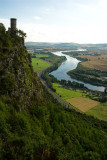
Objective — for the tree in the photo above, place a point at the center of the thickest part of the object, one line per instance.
(21, 33)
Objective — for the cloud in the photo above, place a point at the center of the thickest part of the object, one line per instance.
(103, 3)
(85, 7)
(54, 33)
(47, 10)
(58, 33)
(5, 21)
(37, 18)
(80, 20)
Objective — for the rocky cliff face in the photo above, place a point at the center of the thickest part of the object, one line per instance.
(16, 74)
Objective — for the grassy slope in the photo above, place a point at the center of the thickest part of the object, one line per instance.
(99, 111)
(39, 64)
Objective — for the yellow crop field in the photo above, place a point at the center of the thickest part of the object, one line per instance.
(95, 62)
(83, 104)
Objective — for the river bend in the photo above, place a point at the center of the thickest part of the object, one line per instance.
(70, 64)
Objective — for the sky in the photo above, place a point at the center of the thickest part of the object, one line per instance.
(78, 21)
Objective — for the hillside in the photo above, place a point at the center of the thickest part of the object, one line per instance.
(33, 125)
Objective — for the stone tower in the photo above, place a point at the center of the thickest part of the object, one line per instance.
(12, 25)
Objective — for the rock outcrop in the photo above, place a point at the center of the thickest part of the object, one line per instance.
(16, 74)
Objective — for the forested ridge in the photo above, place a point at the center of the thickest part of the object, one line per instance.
(33, 125)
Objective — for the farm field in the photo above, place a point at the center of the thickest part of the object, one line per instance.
(95, 62)
(83, 104)
(100, 111)
(65, 93)
(39, 64)
(42, 55)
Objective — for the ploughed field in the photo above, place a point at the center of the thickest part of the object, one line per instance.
(95, 62)
(83, 104)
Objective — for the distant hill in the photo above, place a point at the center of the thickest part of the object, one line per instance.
(52, 45)
(95, 45)
(64, 45)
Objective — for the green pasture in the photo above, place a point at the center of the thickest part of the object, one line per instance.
(30, 51)
(99, 111)
(39, 64)
(105, 63)
(42, 55)
(66, 93)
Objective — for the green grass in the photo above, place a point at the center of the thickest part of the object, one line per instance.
(105, 63)
(42, 55)
(39, 64)
(66, 93)
(30, 51)
(99, 111)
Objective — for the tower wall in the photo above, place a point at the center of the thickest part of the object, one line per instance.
(13, 24)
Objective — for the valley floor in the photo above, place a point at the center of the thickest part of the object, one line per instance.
(69, 98)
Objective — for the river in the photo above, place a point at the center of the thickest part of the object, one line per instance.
(70, 64)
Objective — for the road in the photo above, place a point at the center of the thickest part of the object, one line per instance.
(65, 104)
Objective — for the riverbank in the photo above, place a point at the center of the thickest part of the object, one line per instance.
(62, 102)
(71, 64)
(42, 73)
(88, 75)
